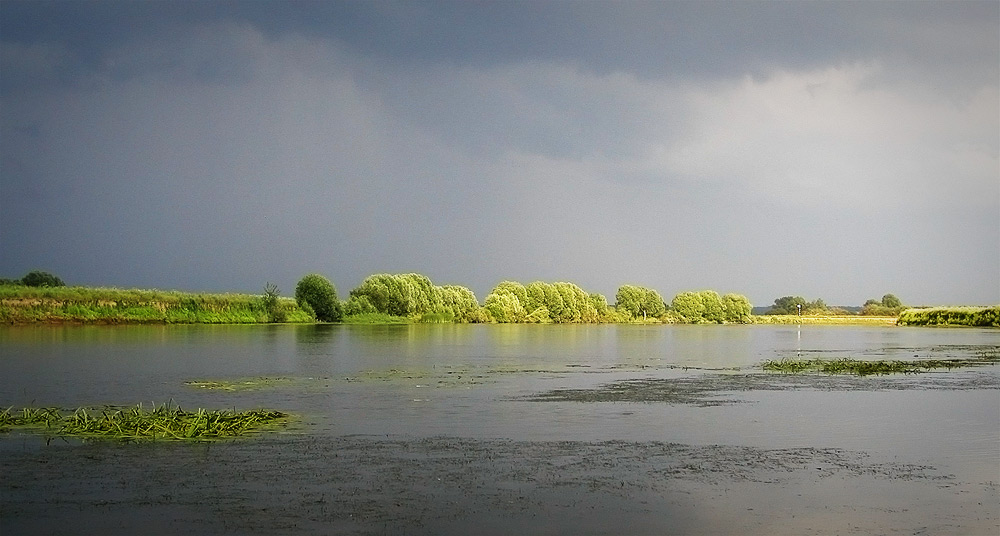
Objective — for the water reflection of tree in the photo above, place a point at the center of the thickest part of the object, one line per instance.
(702, 346)
(315, 334)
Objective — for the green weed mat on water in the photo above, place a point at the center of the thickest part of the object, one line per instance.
(882, 366)
(136, 423)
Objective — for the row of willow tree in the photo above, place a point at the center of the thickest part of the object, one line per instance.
(415, 297)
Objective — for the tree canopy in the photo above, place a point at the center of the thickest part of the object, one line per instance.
(316, 293)
(415, 296)
(708, 306)
(788, 305)
(890, 305)
(639, 302)
(460, 302)
(736, 308)
(890, 300)
(37, 278)
(541, 302)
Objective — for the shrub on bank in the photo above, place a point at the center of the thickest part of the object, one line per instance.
(320, 295)
(34, 278)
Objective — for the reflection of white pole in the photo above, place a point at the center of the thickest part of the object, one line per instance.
(799, 336)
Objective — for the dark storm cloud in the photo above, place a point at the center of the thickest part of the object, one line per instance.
(840, 150)
(650, 39)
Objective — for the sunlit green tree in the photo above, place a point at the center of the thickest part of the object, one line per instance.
(515, 288)
(358, 305)
(787, 305)
(889, 306)
(736, 308)
(639, 302)
(535, 295)
(689, 306)
(379, 290)
(460, 301)
(424, 296)
(712, 306)
(542, 302)
(628, 300)
(539, 316)
(600, 305)
(652, 303)
(504, 306)
(553, 301)
(570, 295)
(816, 307)
(891, 301)
(401, 294)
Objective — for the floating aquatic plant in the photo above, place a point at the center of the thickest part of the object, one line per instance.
(29, 417)
(248, 384)
(866, 368)
(137, 423)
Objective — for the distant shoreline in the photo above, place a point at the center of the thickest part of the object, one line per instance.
(20, 305)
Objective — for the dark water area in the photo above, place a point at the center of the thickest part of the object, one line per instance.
(493, 429)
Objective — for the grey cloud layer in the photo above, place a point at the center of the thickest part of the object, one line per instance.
(229, 153)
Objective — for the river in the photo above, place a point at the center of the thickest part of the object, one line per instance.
(495, 429)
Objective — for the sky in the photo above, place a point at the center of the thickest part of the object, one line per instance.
(833, 150)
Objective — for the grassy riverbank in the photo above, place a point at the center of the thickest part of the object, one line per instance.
(53, 305)
(951, 316)
(376, 318)
(21, 304)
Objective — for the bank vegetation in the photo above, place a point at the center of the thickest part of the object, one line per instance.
(40, 297)
(20, 304)
(952, 316)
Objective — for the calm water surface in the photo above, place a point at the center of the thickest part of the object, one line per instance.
(401, 385)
